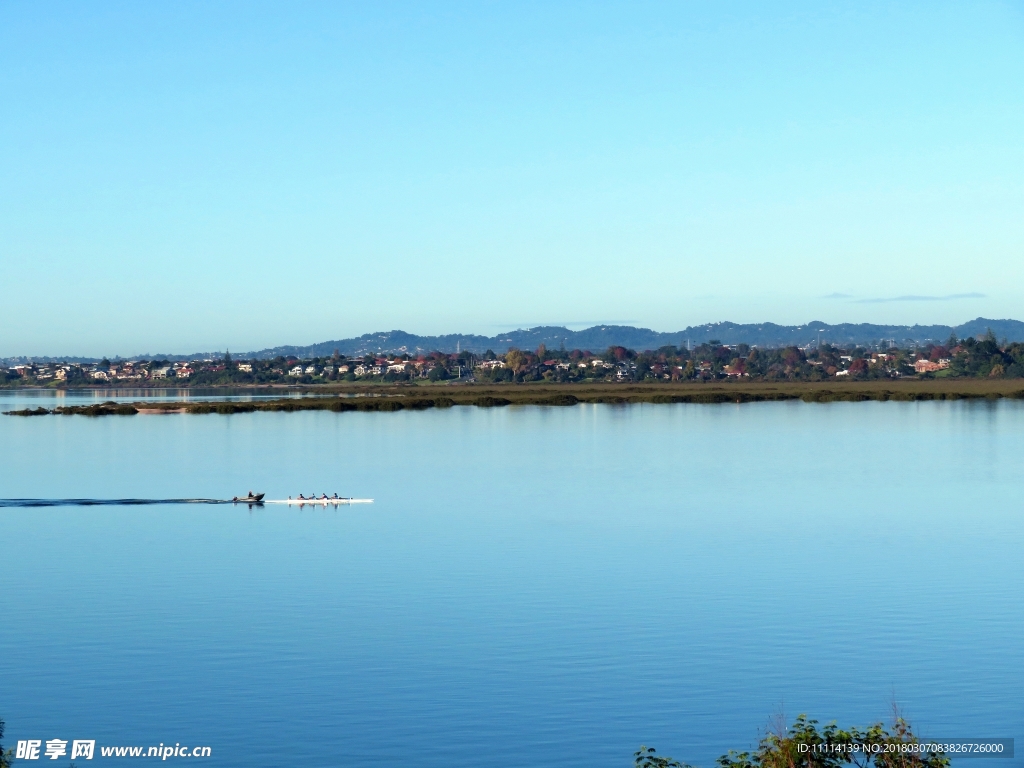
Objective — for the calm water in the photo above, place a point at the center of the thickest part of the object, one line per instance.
(31, 398)
(532, 587)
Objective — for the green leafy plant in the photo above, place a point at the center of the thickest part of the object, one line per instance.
(6, 758)
(645, 757)
(805, 745)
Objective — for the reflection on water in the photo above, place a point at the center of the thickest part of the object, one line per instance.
(16, 397)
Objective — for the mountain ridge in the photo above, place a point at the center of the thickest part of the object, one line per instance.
(599, 337)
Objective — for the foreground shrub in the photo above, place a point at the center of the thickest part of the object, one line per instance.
(805, 745)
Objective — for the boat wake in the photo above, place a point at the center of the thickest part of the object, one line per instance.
(103, 502)
(145, 502)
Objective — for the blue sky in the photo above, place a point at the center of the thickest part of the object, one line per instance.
(190, 176)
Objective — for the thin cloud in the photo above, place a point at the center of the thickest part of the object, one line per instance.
(948, 297)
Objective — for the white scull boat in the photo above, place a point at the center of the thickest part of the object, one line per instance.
(320, 502)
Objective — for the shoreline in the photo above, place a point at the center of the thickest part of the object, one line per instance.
(397, 398)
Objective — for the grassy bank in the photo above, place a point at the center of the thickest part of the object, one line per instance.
(418, 398)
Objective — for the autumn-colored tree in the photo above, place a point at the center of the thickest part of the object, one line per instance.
(792, 357)
(515, 360)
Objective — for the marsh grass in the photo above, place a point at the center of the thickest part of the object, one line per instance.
(387, 399)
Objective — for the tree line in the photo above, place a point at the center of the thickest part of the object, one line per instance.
(971, 357)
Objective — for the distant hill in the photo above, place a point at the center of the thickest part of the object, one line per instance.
(600, 337)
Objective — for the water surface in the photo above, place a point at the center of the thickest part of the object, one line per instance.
(532, 586)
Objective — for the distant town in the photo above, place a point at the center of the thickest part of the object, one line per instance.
(711, 361)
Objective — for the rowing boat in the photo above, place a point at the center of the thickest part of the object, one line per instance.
(321, 502)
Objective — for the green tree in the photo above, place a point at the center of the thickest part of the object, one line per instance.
(6, 758)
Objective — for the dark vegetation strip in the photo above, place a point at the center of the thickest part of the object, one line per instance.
(394, 402)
